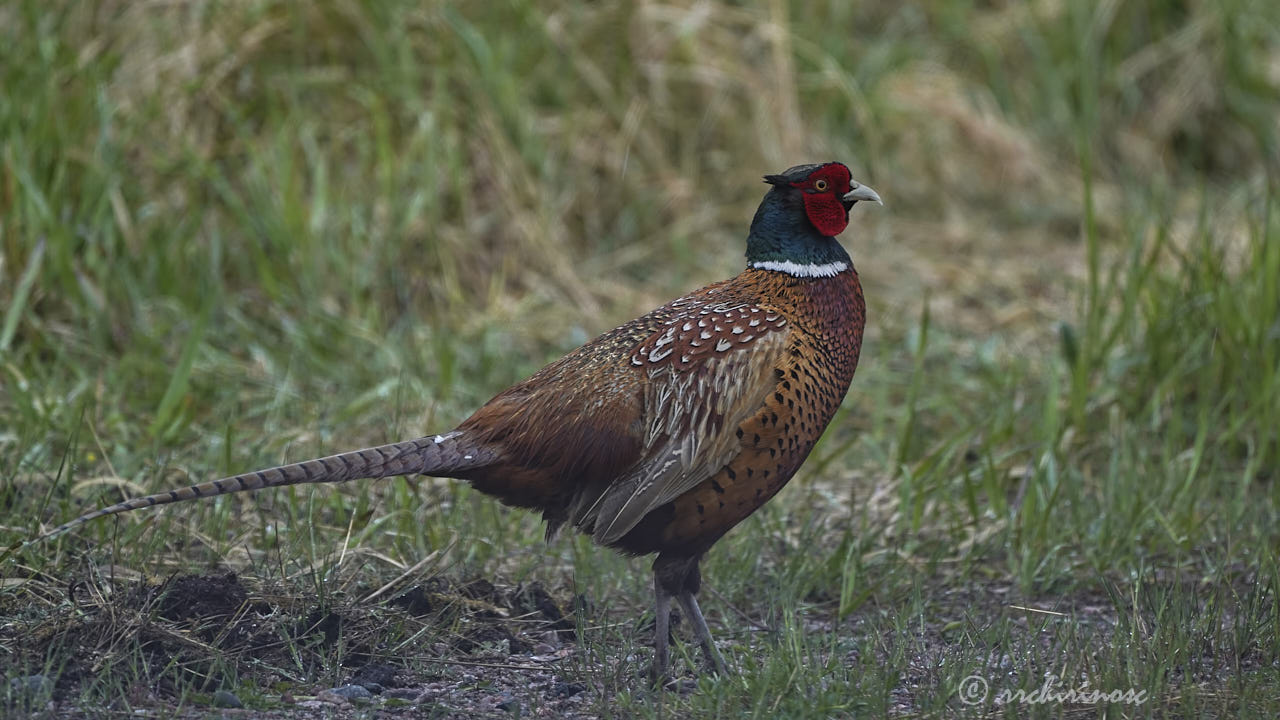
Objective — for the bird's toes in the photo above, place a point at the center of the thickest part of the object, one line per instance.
(681, 685)
(657, 675)
(662, 679)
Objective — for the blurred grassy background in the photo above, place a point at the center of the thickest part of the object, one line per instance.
(233, 234)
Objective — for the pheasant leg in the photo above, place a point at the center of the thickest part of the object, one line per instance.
(689, 604)
(661, 633)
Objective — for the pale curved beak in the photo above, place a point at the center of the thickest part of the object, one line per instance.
(862, 192)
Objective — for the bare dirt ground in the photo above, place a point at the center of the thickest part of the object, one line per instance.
(445, 649)
(495, 649)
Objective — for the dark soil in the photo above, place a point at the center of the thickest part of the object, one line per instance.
(448, 649)
(439, 649)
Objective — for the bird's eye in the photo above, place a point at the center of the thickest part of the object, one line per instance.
(820, 185)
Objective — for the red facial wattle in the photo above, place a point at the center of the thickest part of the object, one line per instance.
(824, 189)
(826, 212)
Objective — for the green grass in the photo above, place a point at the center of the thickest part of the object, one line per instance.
(238, 234)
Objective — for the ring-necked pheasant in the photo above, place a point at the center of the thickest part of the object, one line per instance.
(661, 434)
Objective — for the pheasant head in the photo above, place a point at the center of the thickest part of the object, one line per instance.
(794, 230)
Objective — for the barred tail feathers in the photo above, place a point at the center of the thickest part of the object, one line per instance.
(431, 455)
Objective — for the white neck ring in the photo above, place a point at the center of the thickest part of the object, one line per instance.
(804, 270)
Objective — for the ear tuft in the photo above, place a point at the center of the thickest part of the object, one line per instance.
(777, 179)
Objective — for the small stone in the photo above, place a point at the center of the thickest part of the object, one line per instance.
(372, 687)
(28, 682)
(31, 685)
(567, 689)
(351, 692)
(509, 704)
(226, 699)
(409, 694)
(375, 673)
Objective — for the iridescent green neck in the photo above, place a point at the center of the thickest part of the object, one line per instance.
(783, 239)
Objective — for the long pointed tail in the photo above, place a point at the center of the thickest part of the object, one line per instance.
(432, 455)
